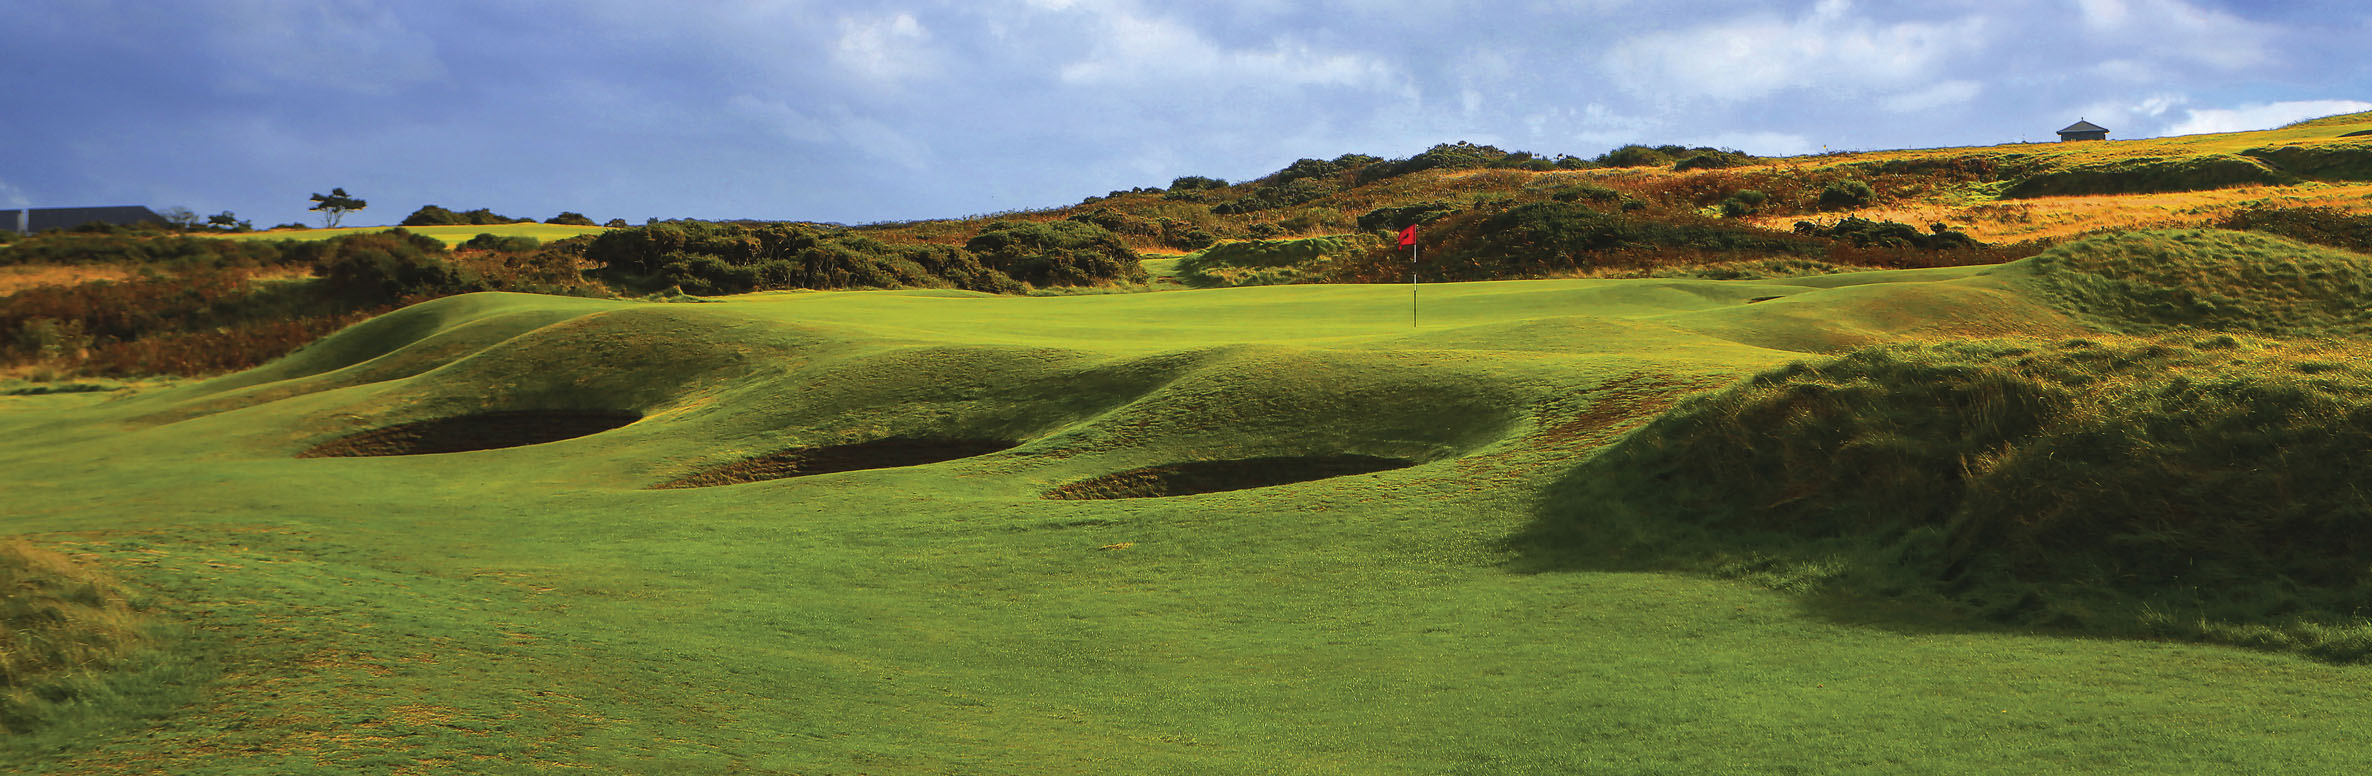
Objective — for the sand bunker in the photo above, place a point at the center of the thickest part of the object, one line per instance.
(804, 461)
(487, 431)
(1191, 477)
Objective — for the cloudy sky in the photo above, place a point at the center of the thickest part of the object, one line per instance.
(898, 109)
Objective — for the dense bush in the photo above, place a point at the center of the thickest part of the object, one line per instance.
(1636, 156)
(723, 258)
(1403, 216)
(1846, 194)
(616, 223)
(1712, 160)
(134, 249)
(1744, 203)
(1461, 155)
(1196, 182)
(432, 215)
(486, 241)
(1319, 168)
(391, 266)
(1056, 253)
(1270, 197)
(1864, 233)
(570, 218)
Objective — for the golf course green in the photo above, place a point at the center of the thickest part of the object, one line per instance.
(1546, 526)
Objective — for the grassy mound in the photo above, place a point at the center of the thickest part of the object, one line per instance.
(62, 626)
(486, 431)
(1263, 262)
(2327, 161)
(1192, 477)
(2139, 282)
(2193, 486)
(2146, 175)
(806, 461)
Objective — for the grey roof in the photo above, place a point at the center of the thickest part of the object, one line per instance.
(2083, 126)
(69, 217)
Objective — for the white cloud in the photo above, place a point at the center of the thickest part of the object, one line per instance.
(2261, 116)
(1934, 96)
(2124, 118)
(1134, 50)
(2176, 30)
(1831, 47)
(11, 196)
(886, 49)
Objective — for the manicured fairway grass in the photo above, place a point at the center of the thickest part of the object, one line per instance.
(533, 609)
(452, 235)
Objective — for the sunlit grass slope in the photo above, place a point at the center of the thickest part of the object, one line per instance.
(452, 235)
(1427, 578)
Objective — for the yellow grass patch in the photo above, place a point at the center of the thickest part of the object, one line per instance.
(23, 276)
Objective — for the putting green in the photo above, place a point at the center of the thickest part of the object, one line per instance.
(535, 607)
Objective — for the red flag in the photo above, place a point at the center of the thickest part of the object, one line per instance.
(1408, 236)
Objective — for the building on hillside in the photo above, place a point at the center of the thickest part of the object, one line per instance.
(30, 220)
(2083, 130)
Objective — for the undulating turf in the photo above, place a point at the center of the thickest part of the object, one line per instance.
(1522, 597)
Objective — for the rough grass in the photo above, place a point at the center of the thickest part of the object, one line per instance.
(2162, 280)
(2202, 486)
(63, 627)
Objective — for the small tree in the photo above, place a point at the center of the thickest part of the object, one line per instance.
(228, 222)
(181, 218)
(335, 206)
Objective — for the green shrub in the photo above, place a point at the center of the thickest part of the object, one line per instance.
(391, 266)
(1634, 156)
(499, 243)
(1864, 233)
(1400, 217)
(1712, 160)
(1744, 203)
(432, 215)
(1056, 253)
(570, 218)
(1196, 182)
(1269, 197)
(723, 258)
(1846, 194)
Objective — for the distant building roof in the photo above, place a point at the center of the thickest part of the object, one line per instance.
(39, 218)
(2083, 126)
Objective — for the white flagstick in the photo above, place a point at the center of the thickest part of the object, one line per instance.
(1412, 284)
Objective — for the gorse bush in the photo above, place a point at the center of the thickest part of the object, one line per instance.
(1744, 203)
(570, 218)
(387, 267)
(719, 258)
(1864, 233)
(499, 243)
(1846, 194)
(169, 253)
(432, 215)
(1056, 253)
